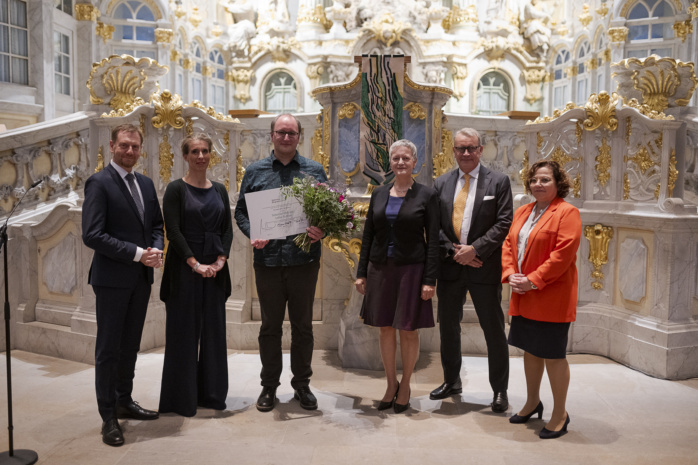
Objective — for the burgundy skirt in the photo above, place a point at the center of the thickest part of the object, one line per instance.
(393, 297)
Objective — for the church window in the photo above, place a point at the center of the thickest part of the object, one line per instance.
(650, 29)
(281, 93)
(493, 94)
(14, 42)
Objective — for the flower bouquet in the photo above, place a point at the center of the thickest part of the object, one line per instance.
(326, 207)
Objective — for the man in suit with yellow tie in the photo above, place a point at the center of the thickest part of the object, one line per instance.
(476, 213)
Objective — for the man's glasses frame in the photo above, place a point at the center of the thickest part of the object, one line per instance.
(468, 148)
(284, 134)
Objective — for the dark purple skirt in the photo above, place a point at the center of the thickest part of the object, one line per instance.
(393, 297)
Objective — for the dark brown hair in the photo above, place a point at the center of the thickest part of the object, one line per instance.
(562, 181)
(125, 128)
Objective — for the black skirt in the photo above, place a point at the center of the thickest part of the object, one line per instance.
(540, 338)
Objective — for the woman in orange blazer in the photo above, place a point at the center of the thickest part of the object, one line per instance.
(538, 262)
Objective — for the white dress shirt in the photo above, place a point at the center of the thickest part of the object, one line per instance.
(468, 213)
(122, 172)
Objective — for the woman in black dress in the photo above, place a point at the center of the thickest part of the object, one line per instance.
(397, 268)
(195, 286)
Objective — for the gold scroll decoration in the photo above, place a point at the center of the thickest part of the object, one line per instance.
(239, 169)
(603, 163)
(673, 174)
(599, 237)
(601, 111)
(348, 110)
(168, 110)
(443, 161)
(417, 111)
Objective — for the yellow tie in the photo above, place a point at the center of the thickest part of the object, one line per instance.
(459, 205)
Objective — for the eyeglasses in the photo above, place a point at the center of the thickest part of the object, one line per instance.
(469, 148)
(284, 134)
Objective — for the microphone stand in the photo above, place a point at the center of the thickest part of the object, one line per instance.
(21, 456)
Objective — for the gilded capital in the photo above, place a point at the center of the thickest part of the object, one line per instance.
(534, 79)
(618, 34)
(585, 18)
(164, 36)
(417, 111)
(693, 10)
(683, 29)
(86, 12)
(105, 31)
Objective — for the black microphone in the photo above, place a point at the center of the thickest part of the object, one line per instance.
(36, 183)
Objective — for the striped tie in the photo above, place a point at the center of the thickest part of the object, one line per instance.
(459, 205)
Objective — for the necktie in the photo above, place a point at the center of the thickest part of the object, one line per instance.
(459, 205)
(130, 178)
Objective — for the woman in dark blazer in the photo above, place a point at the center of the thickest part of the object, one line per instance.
(398, 267)
(195, 286)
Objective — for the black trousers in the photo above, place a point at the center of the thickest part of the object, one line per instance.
(120, 318)
(487, 299)
(276, 287)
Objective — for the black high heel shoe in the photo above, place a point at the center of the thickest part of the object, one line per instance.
(386, 405)
(399, 408)
(545, 433)
(516, 418)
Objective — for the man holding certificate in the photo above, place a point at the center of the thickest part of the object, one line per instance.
(285, 274)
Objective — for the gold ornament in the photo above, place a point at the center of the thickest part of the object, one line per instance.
(100, 160)
(346, 248)
(443, 161)
(105, 31)
(618, 34)
(417, 111)
(86, 12)
(601, 110)
(168, 110)
(241, 78)
(164, 36)
(683, 29)
(603, 163)
(166, 158)
(239, 169)
(386, 29)
(626, 187)
(599, 237)
(316, 16)
(348, 110)
(673, 174)
(585, 18)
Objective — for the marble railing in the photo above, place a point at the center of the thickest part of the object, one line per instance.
(638, 297)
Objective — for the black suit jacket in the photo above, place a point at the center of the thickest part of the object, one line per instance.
(416, 231)
(492, 215)
(111, 226)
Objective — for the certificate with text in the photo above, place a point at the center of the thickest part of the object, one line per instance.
(272, 217)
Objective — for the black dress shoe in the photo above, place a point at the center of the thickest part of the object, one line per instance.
(516, 418)
(399, 408)
(500, 402)
(545, 433)
(386, 405)
(446, 390)
(135, 411)
(306, 398)
(111, 433)
(266, 399)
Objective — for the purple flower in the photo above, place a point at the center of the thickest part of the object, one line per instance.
(341, 197)
(350, 225)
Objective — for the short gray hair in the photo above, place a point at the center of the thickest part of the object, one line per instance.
(470, 132)
(403, 143)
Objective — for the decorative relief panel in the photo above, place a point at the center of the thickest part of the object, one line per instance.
(632, 267)
(57, 264)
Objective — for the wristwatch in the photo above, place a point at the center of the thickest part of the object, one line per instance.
(533, 286)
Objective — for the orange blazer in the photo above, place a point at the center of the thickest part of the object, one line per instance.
(549, 263)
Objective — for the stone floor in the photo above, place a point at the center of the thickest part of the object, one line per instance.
(619, 416)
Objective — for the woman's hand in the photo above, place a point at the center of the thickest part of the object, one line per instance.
(219, 264)
(519, 283)
(428, 292)
(360, 284)
(207, 271)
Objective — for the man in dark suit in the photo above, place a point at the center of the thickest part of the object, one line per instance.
(476, 212)
(122, 222)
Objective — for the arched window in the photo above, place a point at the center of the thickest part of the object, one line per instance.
(281, 93)
(650, 29)
(179, 72)
(493, 94)
(217, 81)
(196, 56)
(583, 74)
(600, 69)
(561, 85)
(134, 30)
